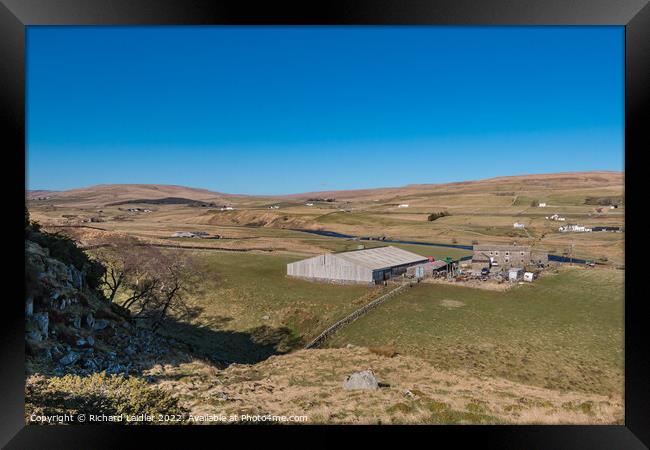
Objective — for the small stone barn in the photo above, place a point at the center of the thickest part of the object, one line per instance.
(372, 265)
(506, 256)
(427, 268)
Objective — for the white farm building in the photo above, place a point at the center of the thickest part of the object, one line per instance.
(372, 265)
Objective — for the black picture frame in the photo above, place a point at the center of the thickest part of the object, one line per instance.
(15, 15)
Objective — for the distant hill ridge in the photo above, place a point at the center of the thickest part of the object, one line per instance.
(114, 194)
(164, 201)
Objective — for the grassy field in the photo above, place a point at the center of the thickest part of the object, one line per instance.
(247, 309)
(563, 332)
(337, 245)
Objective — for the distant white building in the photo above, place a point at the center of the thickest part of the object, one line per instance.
(573, 228)
(274, 207)
(519, 225)
(184, 234)
(226, 208)
(190, 234)
(515, 274)
(556, 217)
(309, 204)
(403, 205)
(542, 205)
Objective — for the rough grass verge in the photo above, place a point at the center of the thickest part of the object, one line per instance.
(97, 394)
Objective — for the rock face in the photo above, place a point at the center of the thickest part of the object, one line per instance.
(100, 324)
(34, 335)
(89, 321)
(42, 322)
(361, 381)
(29, 307)
(71, 329)
(68, 359)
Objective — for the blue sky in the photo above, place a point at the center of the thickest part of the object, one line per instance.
(275, 110)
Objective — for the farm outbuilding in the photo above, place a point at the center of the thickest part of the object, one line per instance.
(426, 269)
(371, 265)
(515, 274)
(506, 256)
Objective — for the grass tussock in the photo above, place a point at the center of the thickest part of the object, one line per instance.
(388, 351)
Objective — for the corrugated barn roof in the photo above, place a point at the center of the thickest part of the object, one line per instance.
(438, 264)
(381, 257)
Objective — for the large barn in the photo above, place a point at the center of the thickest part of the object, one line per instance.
(372, 265)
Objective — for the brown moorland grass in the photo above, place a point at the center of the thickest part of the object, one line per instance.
(309, 382)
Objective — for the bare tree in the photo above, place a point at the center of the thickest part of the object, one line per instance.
(164, 292)
(122, 259)
(150, 283)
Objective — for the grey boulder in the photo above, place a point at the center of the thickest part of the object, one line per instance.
(42, 322)
(68, 359)
(100, 324)
(361, 380)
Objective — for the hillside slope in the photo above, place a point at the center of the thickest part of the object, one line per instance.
(310, 383)
(554, 181)
(70, 327)
(107, 193)
(103, 194)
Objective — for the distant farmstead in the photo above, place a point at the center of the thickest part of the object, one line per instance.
(373, 265)
(506, 256)
(190, 234)
(574, 228)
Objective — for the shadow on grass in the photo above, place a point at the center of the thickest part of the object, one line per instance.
(224, 347)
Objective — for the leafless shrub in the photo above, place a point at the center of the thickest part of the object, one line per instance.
(152, 284)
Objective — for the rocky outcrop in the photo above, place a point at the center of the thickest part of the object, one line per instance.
(71, 329)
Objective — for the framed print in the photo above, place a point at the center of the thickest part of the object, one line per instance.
(356, 216)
